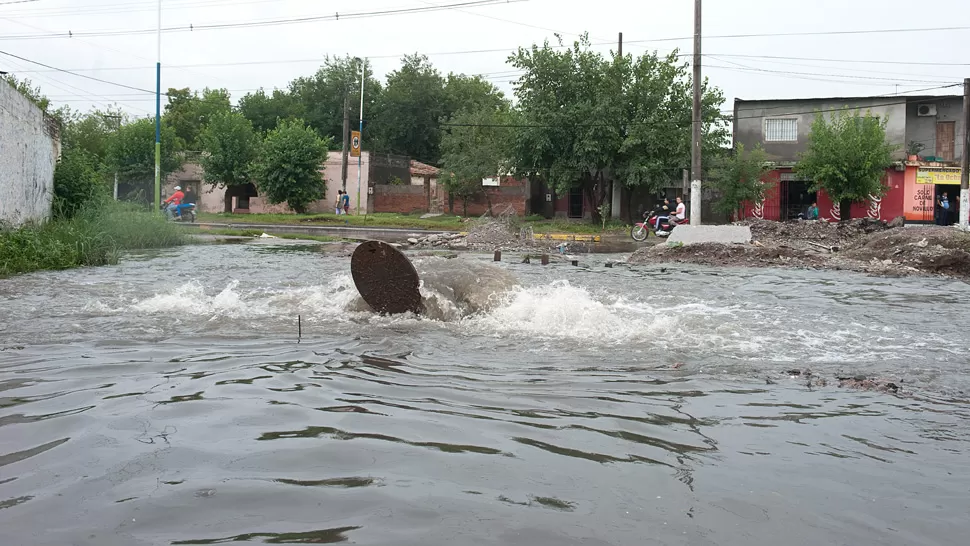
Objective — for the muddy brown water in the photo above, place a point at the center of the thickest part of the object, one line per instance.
(167, 400)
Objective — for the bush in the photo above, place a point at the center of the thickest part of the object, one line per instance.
(288, 166)
(94, 235)
(77, 183)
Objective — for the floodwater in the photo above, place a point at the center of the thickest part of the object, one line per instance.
(171, 400)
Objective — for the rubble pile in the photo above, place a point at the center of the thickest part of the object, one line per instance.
(864, 245)
(486, 234)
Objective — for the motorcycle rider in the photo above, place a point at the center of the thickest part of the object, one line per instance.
(174, 201)
(663, 214)
(680, 214)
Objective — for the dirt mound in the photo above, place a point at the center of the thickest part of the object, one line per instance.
(864, 245)
(933, 250)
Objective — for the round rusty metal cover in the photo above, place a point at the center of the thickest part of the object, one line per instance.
(385, 278)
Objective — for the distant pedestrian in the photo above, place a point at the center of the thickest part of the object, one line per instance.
(336, 205)
(943, 208)
(346, 203)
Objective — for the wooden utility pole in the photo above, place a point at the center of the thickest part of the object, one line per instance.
(346, 139)
(965, 163)
(617, 192)
(695, 163)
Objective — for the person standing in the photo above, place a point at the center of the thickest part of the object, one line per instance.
(345, 202)
(336, 204)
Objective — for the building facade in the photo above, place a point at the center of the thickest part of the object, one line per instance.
(924, 129)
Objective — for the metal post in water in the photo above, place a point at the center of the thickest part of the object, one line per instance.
(545, 259)
(299, 328)
(498, 256)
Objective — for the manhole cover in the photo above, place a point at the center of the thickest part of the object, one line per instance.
(385, 278)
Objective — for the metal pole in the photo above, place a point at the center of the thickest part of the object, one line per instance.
(616, 201)
(346, 139)
(965, 163)
(360, 127)
(695, 185)
(158, 116)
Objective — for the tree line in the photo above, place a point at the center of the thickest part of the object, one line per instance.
(578, 119)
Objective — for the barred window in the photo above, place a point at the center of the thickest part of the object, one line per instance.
(781, 130)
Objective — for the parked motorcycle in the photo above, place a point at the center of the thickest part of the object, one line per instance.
(641, 230)
(183, 213)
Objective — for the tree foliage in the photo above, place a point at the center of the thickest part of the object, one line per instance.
(266, 110)
(78, 182)
(321, 97)
(847, 157)
(589, 120)
(229, 147)
(740, 178)
(288, 166)
(408, 119)
(92, 131)
(131, 153)
(476, 144)
(188, 113)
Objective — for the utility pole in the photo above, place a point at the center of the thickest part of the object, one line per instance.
(158, 116)
(965, 164)
(346, 139)
(360, 127)
(695, 185)
(617, 193)
(685, 187)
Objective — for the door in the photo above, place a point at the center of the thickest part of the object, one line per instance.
(945, 139)
(575, 203)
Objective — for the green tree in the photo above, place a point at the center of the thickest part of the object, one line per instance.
(131, 153)
(847, 157)
(288, 166)
(188, 113)
(476, 144)
(265, 110)
(470, 93)
(412, 105)
(740, 178)
(321, 96)
(92, 131)
(78, 182)
(588, 120)
(229, 147)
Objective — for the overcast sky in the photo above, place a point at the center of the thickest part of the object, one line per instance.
(276, 54)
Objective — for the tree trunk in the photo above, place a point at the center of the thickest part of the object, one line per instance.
(845, 210)
(488, 201)
(227, 203)
(464, 206)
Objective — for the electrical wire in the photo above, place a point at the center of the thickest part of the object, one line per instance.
(262, 23)
(76, 74)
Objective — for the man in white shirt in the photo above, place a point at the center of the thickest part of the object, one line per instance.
(680, 214)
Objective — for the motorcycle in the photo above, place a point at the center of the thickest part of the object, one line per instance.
(183, 213)
(641, 230)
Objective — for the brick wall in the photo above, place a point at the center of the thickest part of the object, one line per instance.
(501, 198)
(403, 199)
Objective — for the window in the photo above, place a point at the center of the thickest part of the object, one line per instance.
(781, 130)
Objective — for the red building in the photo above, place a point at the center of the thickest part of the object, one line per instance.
(923, 129)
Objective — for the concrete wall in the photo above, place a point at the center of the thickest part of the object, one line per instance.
(29, 149)
(923, 128)
(750, 115)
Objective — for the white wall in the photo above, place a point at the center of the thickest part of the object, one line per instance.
(28, 154)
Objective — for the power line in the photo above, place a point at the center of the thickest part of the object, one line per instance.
(17, 2)
(265, 22)
(78, 75)
(854, 61)
(849, 76)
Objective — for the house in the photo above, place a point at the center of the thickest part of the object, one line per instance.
(931, 123)
(388, 183)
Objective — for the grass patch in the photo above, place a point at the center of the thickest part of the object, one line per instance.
(391, 220)
(96, 235)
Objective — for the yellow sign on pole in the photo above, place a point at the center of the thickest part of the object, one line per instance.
(355, 143)
(938, 176)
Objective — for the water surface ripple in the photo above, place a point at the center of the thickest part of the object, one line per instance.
(168, 401)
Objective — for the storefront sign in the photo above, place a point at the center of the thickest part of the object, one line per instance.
(938, 176)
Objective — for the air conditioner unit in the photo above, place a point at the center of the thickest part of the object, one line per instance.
(924, 110)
